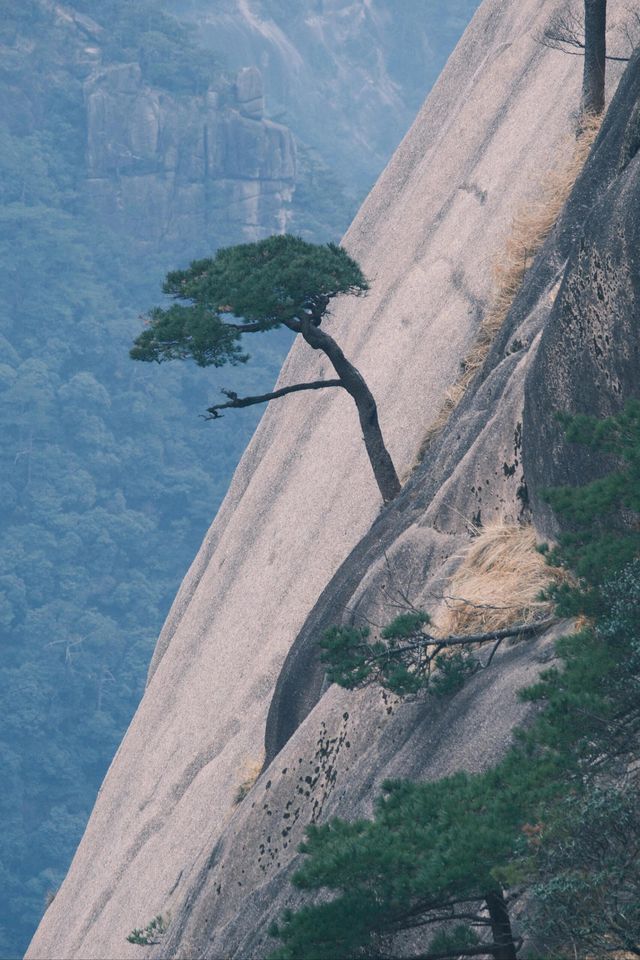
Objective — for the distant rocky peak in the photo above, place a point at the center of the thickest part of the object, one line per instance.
(249, 91)
(191, 171)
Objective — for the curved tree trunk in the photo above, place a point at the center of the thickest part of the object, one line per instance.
(595, 53)
(355, 384)
(504, 947)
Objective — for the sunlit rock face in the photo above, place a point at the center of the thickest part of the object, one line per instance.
(208, 169)
(300, 541)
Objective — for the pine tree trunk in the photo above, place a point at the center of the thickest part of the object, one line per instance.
(500, 927)
(595, 52)
(355, 384)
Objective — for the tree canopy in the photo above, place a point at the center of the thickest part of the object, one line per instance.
(280, 281)
(275, 281)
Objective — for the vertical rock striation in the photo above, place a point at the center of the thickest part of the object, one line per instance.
(196, 170)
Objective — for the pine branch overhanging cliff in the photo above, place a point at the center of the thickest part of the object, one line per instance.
(280, 281)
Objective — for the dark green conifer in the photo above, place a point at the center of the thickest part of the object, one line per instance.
(557, 818)
(280, 281)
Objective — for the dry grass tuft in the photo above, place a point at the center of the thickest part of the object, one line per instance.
(530, 228)
(498, 583)
(251, 773)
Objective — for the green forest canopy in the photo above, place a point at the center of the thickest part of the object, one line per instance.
(108, 479)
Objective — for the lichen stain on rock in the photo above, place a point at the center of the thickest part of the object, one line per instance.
(313, 783)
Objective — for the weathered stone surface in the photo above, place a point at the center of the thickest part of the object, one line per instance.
(558, 371)
(250, 92)
(577, 352)
(589, 356)
(335, 765)
(196, 170)
(165, 836)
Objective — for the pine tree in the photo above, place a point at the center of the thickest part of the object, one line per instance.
(556, 818)
(280, 281)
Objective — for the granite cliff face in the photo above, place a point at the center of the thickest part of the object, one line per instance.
(203, 170)
(178, 167)
(300, 541)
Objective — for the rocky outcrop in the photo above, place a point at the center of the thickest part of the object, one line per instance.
(588, 360)
(569, 349)
(349, 75)
(186, 170)
(301, 528)
(176, 172)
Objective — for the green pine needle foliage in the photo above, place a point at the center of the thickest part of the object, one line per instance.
(404, 659)
(600, 830)
(152, 933)
(601, 528)
(556, 818)
(264, 283)
(355, 660)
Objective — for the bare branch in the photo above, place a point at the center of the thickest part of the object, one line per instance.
(493, 653)
(520, 630)
(565, 29)
(565, 32)
(257, 327)
(236, 402)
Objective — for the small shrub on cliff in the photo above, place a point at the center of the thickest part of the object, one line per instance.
(252, 771)
(152, 933)
(406, 658)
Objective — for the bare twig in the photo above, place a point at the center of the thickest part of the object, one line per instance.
(236, 402)
(565, 32)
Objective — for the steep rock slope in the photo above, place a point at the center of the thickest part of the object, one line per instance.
(570, 342)
(164, 834)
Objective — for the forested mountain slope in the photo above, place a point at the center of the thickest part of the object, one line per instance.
(165, 836)
(108, 479)
(126, 148)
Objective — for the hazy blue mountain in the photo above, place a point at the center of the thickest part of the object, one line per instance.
(128, 147)
(347, 76)
(108, 478)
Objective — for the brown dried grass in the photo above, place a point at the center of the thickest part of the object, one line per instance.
(530, 228)
(498, 583)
